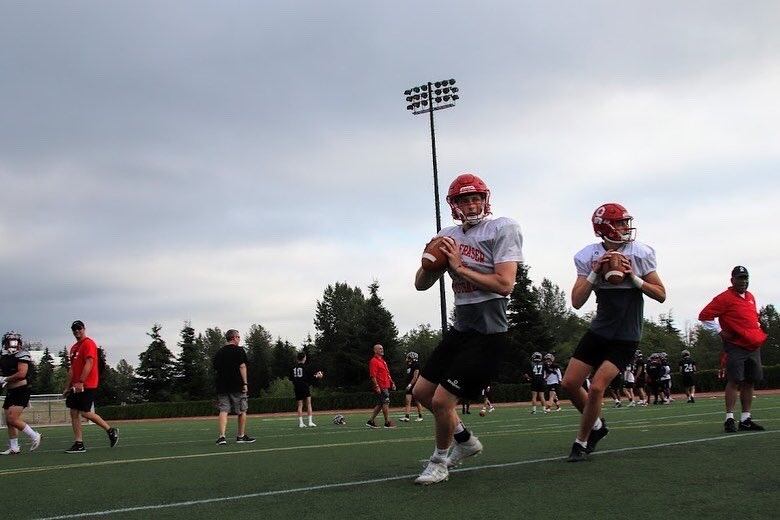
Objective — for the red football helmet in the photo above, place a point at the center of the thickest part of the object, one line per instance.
(605, 220)
(466, 184)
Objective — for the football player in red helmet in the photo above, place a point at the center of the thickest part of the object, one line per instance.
(614, 333)
(483, 254)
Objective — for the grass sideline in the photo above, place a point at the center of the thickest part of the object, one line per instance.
(656, 461)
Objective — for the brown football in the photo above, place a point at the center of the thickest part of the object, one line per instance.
(615, 274)
(433, 258)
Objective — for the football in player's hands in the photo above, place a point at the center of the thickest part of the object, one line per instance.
(319, 374)
(615, 268)
(433, 258)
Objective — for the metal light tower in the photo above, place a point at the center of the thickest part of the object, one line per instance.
(425, 99)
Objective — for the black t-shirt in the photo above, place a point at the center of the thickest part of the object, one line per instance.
(301, 376)
(687, 366)
(9, 361)
(226, 363)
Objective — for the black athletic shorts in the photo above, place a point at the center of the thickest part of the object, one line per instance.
(81, 401)
(302, 391)
(538, 385)
(593, 350)
(617, 383)
(687, 380)
(465, 362)
(17, 397)
(555, 387)
(628, 384)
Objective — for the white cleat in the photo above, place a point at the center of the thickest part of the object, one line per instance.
(10, 451)
(36, 441)
(404, 419)
(435, 471)
(312, 425)
(301, 425)
(418, 419)
(463, 450)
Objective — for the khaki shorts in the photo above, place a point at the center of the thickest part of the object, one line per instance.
(232, 403)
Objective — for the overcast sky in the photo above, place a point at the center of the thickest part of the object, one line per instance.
(223, 162)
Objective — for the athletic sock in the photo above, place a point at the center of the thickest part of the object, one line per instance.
(534, 408)
(461, 433)
(406, 415)
(745, 416)
(598, 424)
(13, 443)
(729, 415)
(440, 455)
(29, 431)
(584, 444)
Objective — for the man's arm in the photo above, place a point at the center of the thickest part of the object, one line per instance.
(423, 280)
(242, 371)
(19, 375)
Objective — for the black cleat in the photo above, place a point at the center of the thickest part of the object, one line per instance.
(596, 435)
(371, 424)
(578, 453)
(113, 436)
(78, 447)
(245, 439)
(730, 426)
(221, 441)
(749, 425)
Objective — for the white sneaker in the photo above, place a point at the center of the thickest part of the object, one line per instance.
(435, 471)
(301, 425)
(35, 442)
(10, 451)
(312, 425)
(418, 419)
(404, 419)
(464, 450)
(491, 409)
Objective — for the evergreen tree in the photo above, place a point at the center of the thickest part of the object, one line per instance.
(379, 327)
(156, 369)
(125, 377)
(191, 382)
(62, 372)
(46, 383)
(770, 322)
(258, 345)
(282, 359)
(422, 339)
(527, 331)
(107, 391)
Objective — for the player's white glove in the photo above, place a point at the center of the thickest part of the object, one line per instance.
(408, 387)
(2, 381)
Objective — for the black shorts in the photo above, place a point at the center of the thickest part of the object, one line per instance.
(628, 384)
(383, 397)
(465, 362)
(555, 387)
(302, 391)
(17, 397)
(593, 350)
(81, 401)
(687, 380)
(538, 385)
(617, 383)
(641, 382)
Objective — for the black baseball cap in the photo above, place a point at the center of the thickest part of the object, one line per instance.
(739, 271)
(78, 324)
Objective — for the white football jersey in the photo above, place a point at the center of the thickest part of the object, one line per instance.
(491, 242)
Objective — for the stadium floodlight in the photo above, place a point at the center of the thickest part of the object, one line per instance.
(426, 99)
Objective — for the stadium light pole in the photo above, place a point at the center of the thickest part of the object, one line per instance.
(426, 99)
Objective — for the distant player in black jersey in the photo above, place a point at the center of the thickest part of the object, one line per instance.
(538, 383)
(412, 373)
(688, 370)
(15, 361)
(302, 377)
(655, 370)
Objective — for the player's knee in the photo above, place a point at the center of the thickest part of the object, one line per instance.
(596, 390)
(570, 385)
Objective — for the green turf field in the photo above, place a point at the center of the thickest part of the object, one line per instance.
(657, 461)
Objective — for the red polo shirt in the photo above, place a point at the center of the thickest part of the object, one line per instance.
(377, 368)
(738, 318)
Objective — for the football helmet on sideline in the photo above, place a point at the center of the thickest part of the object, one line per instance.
(340, 420)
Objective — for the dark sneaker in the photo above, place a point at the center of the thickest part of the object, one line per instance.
(371, 424)
(749, 425)
(246, 439)
(389, 424)
(596, 435)
(78, 447)
(578, 453)
(221, 441)
(693, 399)
(730, 426)
(113, 436)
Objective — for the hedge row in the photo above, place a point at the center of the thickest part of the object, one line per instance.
(706, 381)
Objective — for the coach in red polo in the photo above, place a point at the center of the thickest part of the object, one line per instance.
(740, 330)
(382, 383)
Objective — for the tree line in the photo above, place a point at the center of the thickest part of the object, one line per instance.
(348, 322)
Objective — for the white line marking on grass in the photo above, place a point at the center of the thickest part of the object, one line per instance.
(354, 483)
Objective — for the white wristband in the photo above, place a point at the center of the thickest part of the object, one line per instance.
(638, 282)
(592, 277)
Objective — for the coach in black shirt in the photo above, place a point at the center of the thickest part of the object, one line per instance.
(230, 365)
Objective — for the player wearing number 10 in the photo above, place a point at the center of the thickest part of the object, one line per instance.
(614, 334)
(302, 378)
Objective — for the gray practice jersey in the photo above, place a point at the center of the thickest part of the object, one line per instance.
(619, 308)
(491, 242)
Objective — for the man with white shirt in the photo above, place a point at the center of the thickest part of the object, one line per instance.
(740, 330)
